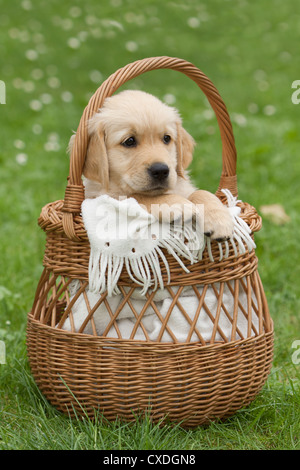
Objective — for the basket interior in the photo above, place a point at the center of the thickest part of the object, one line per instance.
(217, 312)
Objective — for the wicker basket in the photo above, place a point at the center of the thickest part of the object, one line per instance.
(192, 382)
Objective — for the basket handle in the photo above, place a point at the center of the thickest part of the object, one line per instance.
(74, 194)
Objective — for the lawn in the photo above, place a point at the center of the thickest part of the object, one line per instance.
(54, 55)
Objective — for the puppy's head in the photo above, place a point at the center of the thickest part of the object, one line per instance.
(137, 145)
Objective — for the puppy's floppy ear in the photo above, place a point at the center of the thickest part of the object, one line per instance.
(96, 160)
(185, 146)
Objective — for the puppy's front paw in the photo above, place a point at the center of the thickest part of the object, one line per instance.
(218, 224)
(177, 213)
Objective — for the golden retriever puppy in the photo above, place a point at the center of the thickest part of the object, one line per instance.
(138, 148)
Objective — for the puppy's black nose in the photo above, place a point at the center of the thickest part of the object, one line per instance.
(159, 171)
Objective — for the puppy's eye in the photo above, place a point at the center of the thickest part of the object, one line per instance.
(166, 139)
(130, 142)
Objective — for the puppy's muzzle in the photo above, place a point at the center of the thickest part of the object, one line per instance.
(159, 172)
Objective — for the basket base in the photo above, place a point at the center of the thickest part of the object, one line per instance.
(188, 384)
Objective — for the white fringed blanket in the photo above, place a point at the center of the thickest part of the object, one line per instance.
(122, 233)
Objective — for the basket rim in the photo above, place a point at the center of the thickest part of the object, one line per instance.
(59, 248)
(51, 218)
(155, 346)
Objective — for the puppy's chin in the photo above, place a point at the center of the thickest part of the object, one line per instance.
(148, 189)
(147, 186)
(155, 191)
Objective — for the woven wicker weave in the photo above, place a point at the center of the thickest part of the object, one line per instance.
(190, 382)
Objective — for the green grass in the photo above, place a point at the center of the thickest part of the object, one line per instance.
(52, 54)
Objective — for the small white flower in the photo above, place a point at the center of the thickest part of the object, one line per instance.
(169, 98)
(46, 98)
(18, 83)
(28, 86)
(131, 46)
(21, 158)
(24, 36)
(263, 85)
(193, 22)
(35, 105)
(53, 137)
(95, 76)
(208, 114)
(130, 17)
(240, 119)
(116, 3)
(37, 129)
(31, 54)
(52, 146)
(66, 96)
(269, 110)
(53, 82)
(37, 74)
(67, 24)
(74, 43)
(259, 75)
(26, 5)
(90, 19)
(75, 12)
(83, 35)
(19, 144)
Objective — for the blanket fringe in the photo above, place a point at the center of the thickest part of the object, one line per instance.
(105, 268)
